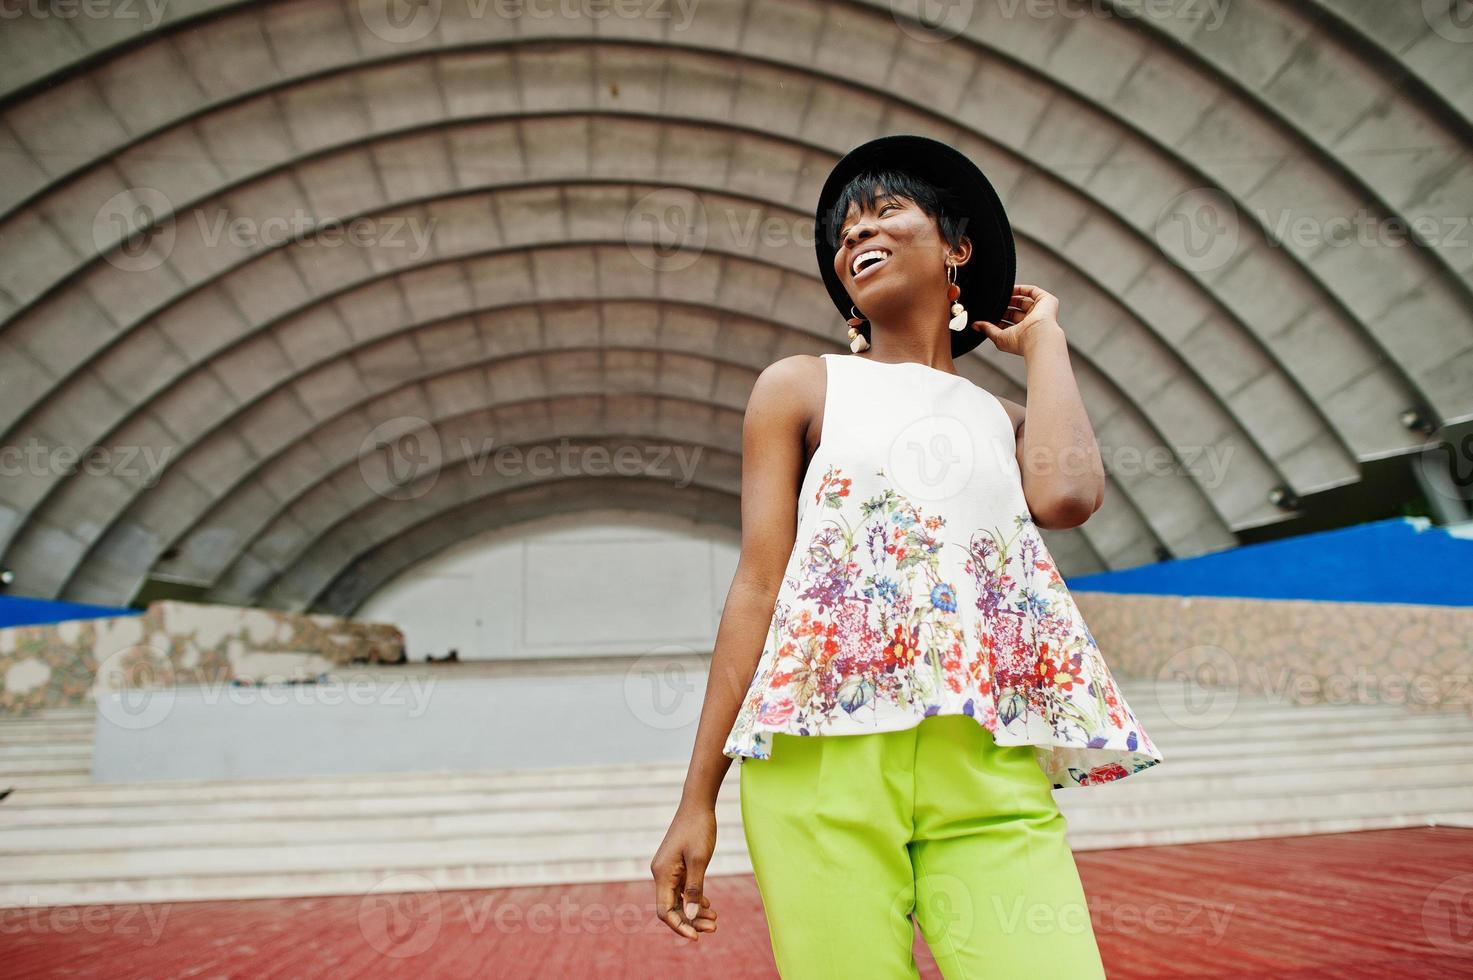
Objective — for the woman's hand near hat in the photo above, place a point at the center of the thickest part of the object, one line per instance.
(1032, 317)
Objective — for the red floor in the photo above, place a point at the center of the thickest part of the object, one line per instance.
(1377, 904)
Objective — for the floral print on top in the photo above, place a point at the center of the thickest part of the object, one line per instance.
(889, 613)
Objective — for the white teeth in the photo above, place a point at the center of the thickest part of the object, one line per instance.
(854, 266)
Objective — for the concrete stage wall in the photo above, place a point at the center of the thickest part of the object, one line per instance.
(643, 710)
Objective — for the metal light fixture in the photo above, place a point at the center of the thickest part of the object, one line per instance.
(1283, 498)
(1418, 421)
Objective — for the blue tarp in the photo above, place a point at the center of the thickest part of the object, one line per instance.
(1401, 559)
(21, 611)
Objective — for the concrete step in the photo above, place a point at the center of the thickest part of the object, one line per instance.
(476, 815)
(46, 750)
(73, 810)
(1267, 768)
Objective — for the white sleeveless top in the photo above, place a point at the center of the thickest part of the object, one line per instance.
(919, 585)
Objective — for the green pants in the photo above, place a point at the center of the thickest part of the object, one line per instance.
(851, 835)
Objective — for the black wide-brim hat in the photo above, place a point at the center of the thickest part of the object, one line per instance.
(987, 278)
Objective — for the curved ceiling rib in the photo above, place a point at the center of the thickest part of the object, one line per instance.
(1411, 277)
(352, 28)
(330, 385)
(831, 317)
(326, 352)
(1322, 81)
(376, 568)
(1080, 147)
(1405, 49)
(332, 487)
(294, 581)
(1360, 358)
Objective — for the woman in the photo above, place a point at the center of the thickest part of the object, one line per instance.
(924, 680)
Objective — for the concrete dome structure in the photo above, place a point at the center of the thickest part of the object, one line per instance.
(1215, 196)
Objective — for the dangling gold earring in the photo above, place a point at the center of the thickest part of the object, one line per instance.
(857, 342)
(953, 293)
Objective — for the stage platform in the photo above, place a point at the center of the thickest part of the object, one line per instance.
(1359, 906)
(1237, 768)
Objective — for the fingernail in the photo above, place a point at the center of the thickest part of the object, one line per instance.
(691, 908)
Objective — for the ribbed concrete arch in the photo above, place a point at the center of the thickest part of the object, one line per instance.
(328, 553)
(1249, 486)
(286, 548)
(1246, 291)
(1405, 50)
(382, 522)
(527, 366)
(704, 402)
(1097, 154)
(1358, 423)
(374, 569)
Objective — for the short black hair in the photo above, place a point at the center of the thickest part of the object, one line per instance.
(869, 185)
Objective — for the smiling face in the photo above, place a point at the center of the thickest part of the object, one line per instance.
(890, 245)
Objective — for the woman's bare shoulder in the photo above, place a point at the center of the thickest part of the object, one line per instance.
(789, 391)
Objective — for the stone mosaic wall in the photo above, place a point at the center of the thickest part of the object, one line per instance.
(1294, 651)
(179, 643)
